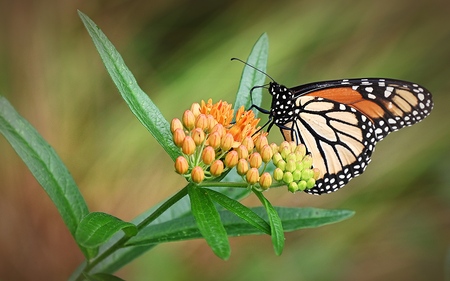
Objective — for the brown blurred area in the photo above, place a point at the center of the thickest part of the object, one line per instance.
(179, 52)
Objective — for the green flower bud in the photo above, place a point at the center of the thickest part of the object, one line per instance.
(281, 164)
(310, 183)
(290, 166)
(278, 174)
(288, 178)
(307, 174)
(293, 187)
(297, 174)
(301, 185)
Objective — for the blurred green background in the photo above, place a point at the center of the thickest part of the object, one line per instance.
(180, 53)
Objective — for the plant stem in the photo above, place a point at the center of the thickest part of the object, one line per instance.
(121, 242)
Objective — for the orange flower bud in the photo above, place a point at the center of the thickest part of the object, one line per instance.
(227, 142)
(261, 141)
(202, 122)
(242, 167)
(188, 120)
(317, 173)
(208, 155)
(219, 129)
(265, 181)
(216, 168)
(252, 176)
(175, 124)
(188, 146)
(242, 152)
(198, 136)
(248, 142)
(195, 108)
(197, 174)
(181, 165)
(255, 160)
(211, 122)
(214, 140)
(178, 137)
(231, 159)
(266, 153)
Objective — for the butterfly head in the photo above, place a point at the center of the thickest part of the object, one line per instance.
(283, 104)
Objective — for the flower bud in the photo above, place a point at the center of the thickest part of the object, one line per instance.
(284, 144)
(288, 178)
(202, 122)
(293, 187)
(231, 159)
(242, 167)
(266, 153)
(276, 157)
(219, 129)
(307, 161)
(188, 146)
(274, 147)
(301, 150)
(302, 185)
(265, 181)
(291, 157)
(175, 124)
(278, 174)
(255, 160)
(292, 146)
(307, 174)
(214, 140)
(252, 176)
(290, 166)
(281, 164)
(310, 183)
(195, 108)
(285, 151)
(211, 122)
(178, 137)
(227, 142)
(181, 165)
(261, 141)
(317, 173)
(198, 135)
(242, 152)
(188, 120)
(216, 168)
(297, 175)
(208, 155)
(248, 143)
(197, 174)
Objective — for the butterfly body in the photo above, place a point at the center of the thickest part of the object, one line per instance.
(340, 121)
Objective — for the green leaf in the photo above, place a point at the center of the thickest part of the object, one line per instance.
(208, 222)
(96, 228)
(239, 210)
(140, 104)
(251, 77)
(185, 228)
(276, 226)
(44, 164)
(102, 277)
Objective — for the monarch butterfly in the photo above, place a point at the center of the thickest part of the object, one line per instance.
(340, 121)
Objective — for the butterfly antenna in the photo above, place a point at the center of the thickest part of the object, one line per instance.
(259, 70)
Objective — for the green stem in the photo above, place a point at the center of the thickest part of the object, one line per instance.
(121, 242)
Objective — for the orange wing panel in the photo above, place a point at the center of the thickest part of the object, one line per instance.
(351, 98)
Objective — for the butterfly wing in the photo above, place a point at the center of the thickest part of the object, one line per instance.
(340, 122)
(339, 138)
(390, 104)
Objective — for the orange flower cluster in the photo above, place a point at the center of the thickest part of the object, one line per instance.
(212, 143)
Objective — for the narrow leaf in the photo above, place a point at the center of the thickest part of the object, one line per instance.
(96, 228)
(102, 277)
(239, 210)
(185, 228)
(251, 77)
(140, 104)
(44, 164)
(208, 222)
(276, 226)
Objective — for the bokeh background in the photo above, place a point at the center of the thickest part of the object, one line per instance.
(180, 53)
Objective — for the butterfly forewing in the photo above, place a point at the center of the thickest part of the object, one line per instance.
(390, 104)
(340, 121)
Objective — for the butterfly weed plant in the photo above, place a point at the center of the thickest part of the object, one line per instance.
(216, 148)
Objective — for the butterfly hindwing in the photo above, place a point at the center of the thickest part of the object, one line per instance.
(339, 138)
